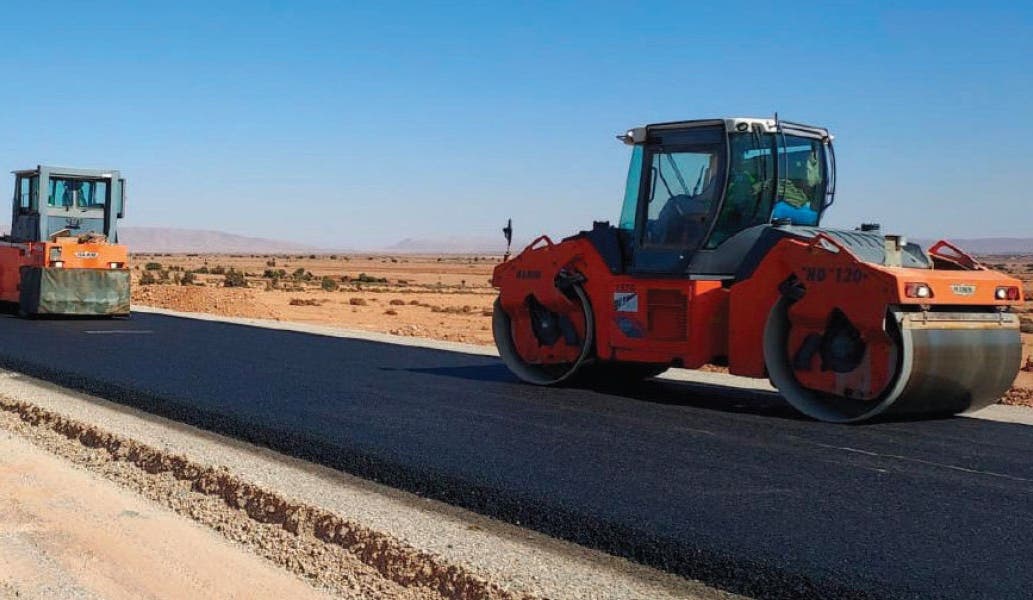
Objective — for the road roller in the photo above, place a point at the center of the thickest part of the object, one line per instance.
(719, 258)
(62, 256)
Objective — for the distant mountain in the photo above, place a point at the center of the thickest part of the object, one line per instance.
(452, 245)
(172, 240)
(169, 240)
(987, 246)
(492, 245)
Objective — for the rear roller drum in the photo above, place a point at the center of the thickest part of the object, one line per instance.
(540, 373)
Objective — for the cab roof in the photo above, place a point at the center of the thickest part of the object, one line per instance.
(731, 124)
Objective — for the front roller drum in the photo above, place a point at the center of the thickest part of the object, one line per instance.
(946, 363)
(74, 292)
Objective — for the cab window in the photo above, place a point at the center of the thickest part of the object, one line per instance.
(26, 190)
(685, 185)
(752, 198)
(88, 193)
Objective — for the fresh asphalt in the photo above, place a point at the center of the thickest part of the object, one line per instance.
(723, 485)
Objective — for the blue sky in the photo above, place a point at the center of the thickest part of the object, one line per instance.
(357, 125)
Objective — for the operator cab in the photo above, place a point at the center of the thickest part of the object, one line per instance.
(51, 200)
(700, 193)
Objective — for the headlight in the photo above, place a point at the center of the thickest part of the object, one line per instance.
(1007, 293)
(57, 264)
(114, 265)
(918, 290)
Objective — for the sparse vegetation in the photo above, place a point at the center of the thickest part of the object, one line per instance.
(152, 266)
(234, 278)
(443, 301)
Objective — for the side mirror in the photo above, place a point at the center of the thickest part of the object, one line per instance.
(508, 232)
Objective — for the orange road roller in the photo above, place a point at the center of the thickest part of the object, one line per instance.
(62, 255)
(719, 258)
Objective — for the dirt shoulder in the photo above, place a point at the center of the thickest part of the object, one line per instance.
(68, 533)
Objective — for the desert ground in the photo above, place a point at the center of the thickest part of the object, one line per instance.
(442, 297)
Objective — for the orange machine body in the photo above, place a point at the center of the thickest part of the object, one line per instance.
(690, 322)
(65, 252)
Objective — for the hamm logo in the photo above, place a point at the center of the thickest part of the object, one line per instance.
(625, 302)
(963, 289)
(86, 255)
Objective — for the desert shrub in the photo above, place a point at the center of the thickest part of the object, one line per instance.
(147, 278)
(188, 278)
(234, 278)
(163, 276)
(363, 278)
(357, 302)
(329, 284)
(218, 270)
(271, 262)
(152, 266)
(397, 302)
(312, 256)
(487, 312)
(333, 257)
(300, 274)
(414, 303)
(1026, 325)
(392, 312)
(203, 270)
(452, 310)
(304, 302)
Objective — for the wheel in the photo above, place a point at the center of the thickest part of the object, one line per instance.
(513, 334)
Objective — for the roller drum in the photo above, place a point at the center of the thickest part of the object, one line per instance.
(954, 362)
(947, 363)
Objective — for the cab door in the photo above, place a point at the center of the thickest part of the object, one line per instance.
(682, 181)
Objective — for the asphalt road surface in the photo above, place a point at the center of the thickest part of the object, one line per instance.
(722, 485)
